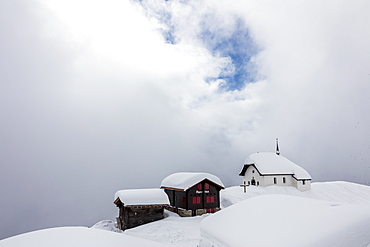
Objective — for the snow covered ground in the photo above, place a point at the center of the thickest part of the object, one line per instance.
(330, 214)
(175, 230)
(343, 192)
(76, 237)
(288, 221)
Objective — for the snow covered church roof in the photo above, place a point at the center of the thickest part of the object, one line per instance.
(185, 180)
(142, 197)
(270, 163)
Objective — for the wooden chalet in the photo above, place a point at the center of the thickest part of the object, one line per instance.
(140, 206)
(193, 194)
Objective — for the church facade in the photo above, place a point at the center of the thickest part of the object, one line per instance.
(265, 169)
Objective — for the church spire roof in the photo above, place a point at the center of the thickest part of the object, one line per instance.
(277, 146)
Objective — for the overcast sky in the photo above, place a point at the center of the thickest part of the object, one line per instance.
(98, 96)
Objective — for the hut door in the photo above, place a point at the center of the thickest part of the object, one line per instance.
(253, 182)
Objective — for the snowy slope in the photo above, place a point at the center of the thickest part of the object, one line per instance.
(345, 208)
(174, 230)
(343, 192)
(186, 232)
(288, 221)
(76, 237)
(107, 225)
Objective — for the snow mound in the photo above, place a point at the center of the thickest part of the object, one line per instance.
(175, 230)
(76, 237)
(107, 225)
(330, 214)
(343, 192)
(282, 220)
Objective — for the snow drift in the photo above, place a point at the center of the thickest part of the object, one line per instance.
(330, 214)
(76, 237)
(283, 220)
(343, 192)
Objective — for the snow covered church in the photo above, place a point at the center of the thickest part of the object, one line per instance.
(268, 168)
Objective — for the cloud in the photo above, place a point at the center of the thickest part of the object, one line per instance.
(97, 97)
(314, 58)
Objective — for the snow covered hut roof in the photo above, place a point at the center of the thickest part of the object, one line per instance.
(142, 197)
(271, 163)
(185, 180)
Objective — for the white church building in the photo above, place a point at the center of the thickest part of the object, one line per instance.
(267, 168)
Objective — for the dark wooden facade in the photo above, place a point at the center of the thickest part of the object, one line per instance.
(132, 216)
(202, 195)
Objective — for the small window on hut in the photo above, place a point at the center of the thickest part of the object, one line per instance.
(199, 186)
(210, 199)
(284, 180)
(210, 210)
(206, 186)
(303, 182)
(274, 180)
(196, 200)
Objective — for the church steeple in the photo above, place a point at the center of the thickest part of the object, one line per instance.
(277, 146)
